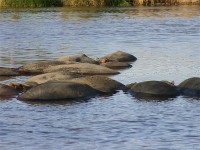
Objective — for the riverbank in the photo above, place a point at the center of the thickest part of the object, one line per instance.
(93, 3)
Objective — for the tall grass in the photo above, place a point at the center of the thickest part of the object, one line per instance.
(30, 3)
(72, 3)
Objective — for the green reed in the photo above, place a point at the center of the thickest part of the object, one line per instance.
(31, 3)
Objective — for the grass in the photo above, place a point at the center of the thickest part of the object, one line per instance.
(71, 3)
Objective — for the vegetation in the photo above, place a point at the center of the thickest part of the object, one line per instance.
(30, 3)
(96, 3)
(72, 3)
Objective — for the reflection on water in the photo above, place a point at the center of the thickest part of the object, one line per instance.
(164, 39)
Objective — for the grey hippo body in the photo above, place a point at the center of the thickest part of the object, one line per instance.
(56, 90)
(119, 56)
(153, 89)
(100, 83)
(190, 87)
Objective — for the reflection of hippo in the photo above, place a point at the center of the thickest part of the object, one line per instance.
(154, 88)
(8, 71)
(116, 65)
(82, 68)
(58, 76)
(101, 83)
(82, 58)
(190, 87)
(56, 90)
(7, 91)
(38, 67)
(120, 56)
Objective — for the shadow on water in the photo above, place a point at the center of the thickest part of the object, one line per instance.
(68, 101)
(56, 102)
(152, 98)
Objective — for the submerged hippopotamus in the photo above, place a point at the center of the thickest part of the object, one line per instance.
(119, 56)
(100, 83)
(56, 76)
(190, 87)
(9, 71)
(59, 90)
(82, 58)
(38, 67)
(153, 89)
(7, 91)
(82, 68)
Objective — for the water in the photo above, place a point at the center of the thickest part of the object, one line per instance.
(164, 39)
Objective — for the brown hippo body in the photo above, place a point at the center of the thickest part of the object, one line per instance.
(82, 68)
(56, 76)
(9, 71)
(7, 91)
(38, 67)
(116, 65)
(82, 58)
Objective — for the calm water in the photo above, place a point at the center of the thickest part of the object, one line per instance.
(164, 39)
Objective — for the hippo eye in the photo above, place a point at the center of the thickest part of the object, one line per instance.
(78, 59)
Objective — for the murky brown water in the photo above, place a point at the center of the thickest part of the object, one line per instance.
(164, 39)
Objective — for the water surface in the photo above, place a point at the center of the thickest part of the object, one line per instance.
(164, 39)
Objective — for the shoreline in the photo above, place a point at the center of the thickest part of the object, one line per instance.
(136, 3)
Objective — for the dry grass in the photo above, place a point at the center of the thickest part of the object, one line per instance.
(95, 3)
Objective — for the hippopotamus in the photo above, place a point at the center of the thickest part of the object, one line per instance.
(116, 65)
(190, 87)
(7, 91)
(38, 67)
(100, 83)
(153, 89)
(59, 90)
(80, 57)
(82, 68)
(119, 56)
(56, 76)
(9, 71)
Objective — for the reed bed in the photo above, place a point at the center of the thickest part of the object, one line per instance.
(95, 3)
(30, 3)
(71, 3)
